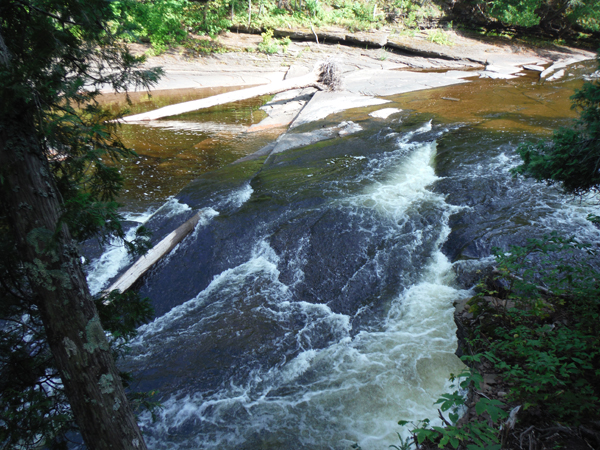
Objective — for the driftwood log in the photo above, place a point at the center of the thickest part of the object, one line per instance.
(310, 80)
(161, 249)
(324, 76)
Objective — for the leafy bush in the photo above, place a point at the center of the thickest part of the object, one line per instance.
(162, 22)
(538, 324)
(572, 157)
(314, 9)
(439, 36)
(210, 17)
(483, 433)
(270, 45)
(548, 343)
(511, 12)
(551, 15)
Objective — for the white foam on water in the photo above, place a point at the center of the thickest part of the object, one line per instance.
(572, 215)
(172, 208)
(355, 388)
(263, 261)
(422, 129)
(241, 195)
(206, 215)
(403, 187)
(298, 261)
(566, 214)
(378, 167)
(115, 256)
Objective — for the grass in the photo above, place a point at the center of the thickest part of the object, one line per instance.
(202, 46)
(439, 36)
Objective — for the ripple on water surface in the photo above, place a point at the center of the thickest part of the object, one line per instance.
(260, 357)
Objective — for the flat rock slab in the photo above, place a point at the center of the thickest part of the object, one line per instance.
(283, 109)
(240, 68)
(290, 141)
(556, 75)
(510, 65)
(561, 64)
(534, 68)
(374, 39)
(384, 113)
(297, 70)
(391, 82)
(367, 71)
(326, 103)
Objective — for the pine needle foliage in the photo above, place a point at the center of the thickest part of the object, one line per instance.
(572, 158)
(55, 57)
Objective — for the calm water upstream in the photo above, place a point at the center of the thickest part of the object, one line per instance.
(312, 307)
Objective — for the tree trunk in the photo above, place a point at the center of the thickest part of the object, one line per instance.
(249, 13)
(75, 336)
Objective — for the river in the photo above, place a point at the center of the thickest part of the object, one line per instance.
(312, 306)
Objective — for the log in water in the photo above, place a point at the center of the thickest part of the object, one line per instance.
(158, 251)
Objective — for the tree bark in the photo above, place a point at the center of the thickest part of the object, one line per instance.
(49, 254)
(249, 13)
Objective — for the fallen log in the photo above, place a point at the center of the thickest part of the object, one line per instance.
(146, 261)
(309, 80)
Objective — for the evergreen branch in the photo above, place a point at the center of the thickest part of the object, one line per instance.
(46, 13)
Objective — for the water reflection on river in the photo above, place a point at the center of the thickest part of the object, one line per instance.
(174, 151)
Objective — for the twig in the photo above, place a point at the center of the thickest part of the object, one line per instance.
(589, 433)
(482, 394)
(523, 434)
(313, 30)
(448, 424)
(557, 429)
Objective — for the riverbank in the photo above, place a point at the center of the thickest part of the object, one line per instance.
(241, 64)
(370, 67)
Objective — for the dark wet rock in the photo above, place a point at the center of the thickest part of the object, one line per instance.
(424, 50)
